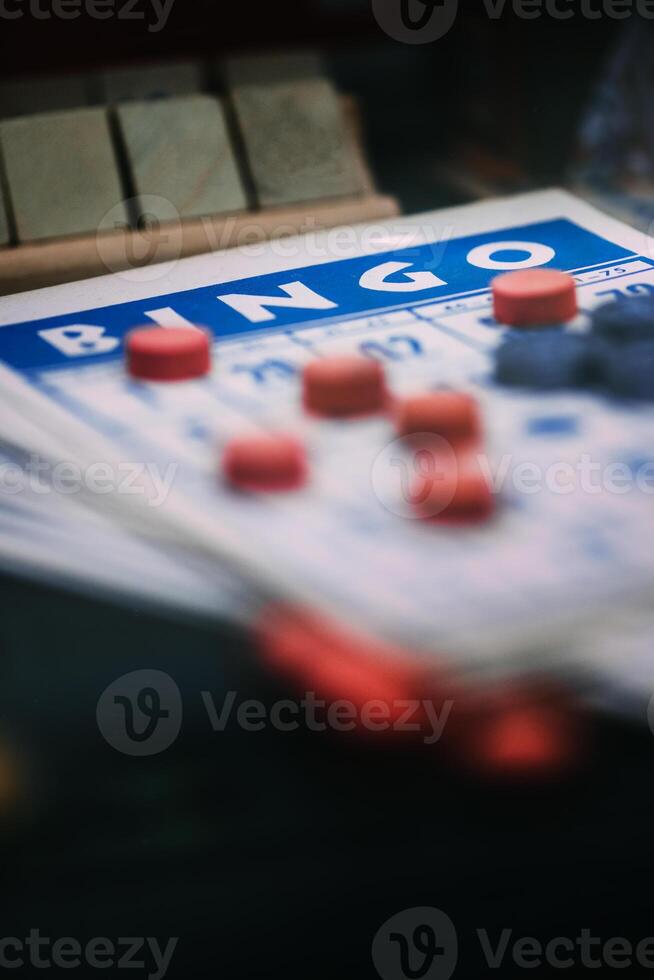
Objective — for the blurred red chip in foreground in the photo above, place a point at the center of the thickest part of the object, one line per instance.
(453, 491)
(343, 386)
(532, 297)
(450, 414)
(507, 733)
(264, 462)
(340, 665)
(167, 354)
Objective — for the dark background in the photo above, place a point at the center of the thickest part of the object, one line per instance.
(510, 89)
(281, 855)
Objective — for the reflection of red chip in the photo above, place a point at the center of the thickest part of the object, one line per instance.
(342, 386)
(450, 414)
(264, 463)
(529, 297)
(456, 492)
(520, 733)
(521, 738)
(167, 354)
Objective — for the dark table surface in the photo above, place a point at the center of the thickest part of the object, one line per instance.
(282, 854)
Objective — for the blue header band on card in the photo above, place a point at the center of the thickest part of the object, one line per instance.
(339, 289)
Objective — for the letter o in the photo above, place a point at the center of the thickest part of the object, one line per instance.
(481, 256)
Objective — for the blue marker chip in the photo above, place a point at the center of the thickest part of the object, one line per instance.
(626, 320)
(629, 371)
(547, 360)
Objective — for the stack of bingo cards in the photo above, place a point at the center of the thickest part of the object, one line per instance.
(438, 435)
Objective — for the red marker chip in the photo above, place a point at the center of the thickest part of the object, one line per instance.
(450, 414)
(453, 491)
(167, 354)
(264, 463)
(344, 386)
(533, 297)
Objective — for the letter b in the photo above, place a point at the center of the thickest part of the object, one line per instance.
(79, 340)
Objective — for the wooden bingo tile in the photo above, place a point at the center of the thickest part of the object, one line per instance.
(272, 69)
(179, 150)
(294, 131)
(151, 82)
(61, 172)
(4, 221)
